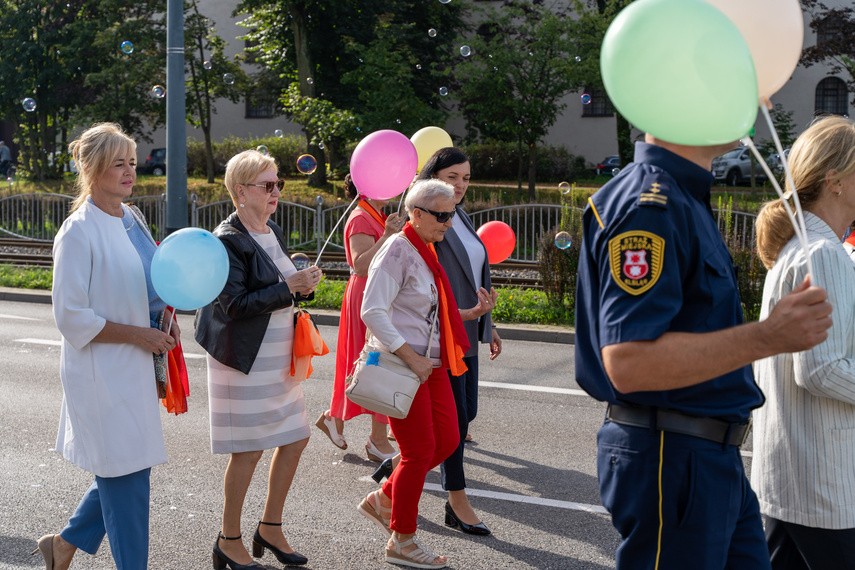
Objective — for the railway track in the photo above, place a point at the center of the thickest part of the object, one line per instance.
(39, 255)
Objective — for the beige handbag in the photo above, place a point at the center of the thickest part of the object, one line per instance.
(382, 382)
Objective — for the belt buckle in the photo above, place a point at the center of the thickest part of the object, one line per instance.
(747, 430)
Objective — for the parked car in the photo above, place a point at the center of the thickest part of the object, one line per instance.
(155, 163)
(608, 165)
(734, 167)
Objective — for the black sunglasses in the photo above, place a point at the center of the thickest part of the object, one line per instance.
(269, 186)
(441, 217)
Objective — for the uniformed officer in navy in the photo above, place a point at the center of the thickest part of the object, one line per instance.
(660, 337)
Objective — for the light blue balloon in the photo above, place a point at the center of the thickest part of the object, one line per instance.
(190, 268)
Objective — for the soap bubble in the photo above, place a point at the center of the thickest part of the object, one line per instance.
(418, 66)
(564, 188)
(562, 240)
(207, 65)
(29, 104)
(127, 47)
(465, 51)
(263, 149)
(321, 146)
(443, 91)
(444, 1)
(578, 58)
(615, 171)
(278, 133)
(300, 260)
(432, 32)
(309, 80)
(229, 78)
(158, 91)
(307, 164)
(586, 99)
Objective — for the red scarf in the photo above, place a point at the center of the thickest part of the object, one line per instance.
(452, 335)
(379, 217)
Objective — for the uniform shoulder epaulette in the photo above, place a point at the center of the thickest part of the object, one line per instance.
(654, 192)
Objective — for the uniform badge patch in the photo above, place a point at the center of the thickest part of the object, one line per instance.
(636, 260)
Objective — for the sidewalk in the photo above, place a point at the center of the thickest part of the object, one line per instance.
(534, 333)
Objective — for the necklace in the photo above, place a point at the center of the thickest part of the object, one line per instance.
(133, 223)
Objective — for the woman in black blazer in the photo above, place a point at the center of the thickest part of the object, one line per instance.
(464, 258)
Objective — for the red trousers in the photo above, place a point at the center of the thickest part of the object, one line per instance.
(426, 437)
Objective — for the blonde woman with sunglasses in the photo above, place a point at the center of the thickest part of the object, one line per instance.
(248, 332)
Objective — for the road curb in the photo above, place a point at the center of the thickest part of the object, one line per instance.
(556, 335)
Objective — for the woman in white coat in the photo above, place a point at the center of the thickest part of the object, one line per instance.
(106, 310)
(804, 436)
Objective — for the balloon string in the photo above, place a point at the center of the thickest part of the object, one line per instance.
(786, 164)
(346, 210)
(401, 202)
(171, 320)
(801, 233)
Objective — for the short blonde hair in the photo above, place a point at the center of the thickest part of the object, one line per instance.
(243, 168)
(93, 153)
(425, 193)
(827, 145)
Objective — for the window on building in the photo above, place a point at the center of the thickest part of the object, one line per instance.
(832, 97)
(260, 105)
(829, 29)
(600, 106)
(251, 55)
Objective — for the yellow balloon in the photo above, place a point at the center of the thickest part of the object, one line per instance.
(429, 140)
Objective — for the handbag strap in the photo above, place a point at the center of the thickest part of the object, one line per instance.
(430, 337)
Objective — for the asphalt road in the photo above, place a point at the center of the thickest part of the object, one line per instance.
(531, 470)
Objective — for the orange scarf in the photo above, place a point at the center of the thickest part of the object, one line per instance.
(379, 217)
(452, 335)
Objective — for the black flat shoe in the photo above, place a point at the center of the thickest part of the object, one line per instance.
(259, 544)
(385, 470)
(451, 520)
(221, 561)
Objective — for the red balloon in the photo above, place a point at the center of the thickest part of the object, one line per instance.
(499, 239)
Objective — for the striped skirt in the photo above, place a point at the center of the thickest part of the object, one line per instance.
(263, 409)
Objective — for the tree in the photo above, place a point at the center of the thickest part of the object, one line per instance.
(50, 50)
(207, 68)
(326, 40)
(835, 45)
(588, 30)
(512, 86)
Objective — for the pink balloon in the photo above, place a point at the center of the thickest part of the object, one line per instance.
(383, 164)
(499, 239)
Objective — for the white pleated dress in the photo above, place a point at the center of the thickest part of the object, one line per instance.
(265, 408)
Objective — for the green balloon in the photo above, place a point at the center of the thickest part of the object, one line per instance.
(681, 71)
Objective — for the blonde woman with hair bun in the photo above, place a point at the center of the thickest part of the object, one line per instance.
(804, 436)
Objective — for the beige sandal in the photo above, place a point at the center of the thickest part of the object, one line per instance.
(375, 513)
(421, 557)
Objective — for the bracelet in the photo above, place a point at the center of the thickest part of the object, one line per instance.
(494, 326)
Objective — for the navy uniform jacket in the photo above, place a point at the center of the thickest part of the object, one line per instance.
(653, 261)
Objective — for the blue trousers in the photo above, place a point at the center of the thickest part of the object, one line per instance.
(465, 389)
(119, 508)
(678, 502)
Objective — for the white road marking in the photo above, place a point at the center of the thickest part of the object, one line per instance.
(187, 355)
(19, 318)
(40, 341)
(525, 499)
(528, 388)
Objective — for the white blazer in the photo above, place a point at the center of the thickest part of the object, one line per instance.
(804, 436)
(110, 419)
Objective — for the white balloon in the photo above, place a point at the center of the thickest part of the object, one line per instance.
(774, 31)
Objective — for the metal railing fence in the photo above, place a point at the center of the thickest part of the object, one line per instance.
(37, 217)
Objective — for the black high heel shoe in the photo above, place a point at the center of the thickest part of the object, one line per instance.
(385, 470)
(451, 520)
(221, 561)
(259, 544)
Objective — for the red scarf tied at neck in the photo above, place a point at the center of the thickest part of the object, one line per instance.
(379, 217)
(452, 335)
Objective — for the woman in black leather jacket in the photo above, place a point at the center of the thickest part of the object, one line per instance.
(248, 332)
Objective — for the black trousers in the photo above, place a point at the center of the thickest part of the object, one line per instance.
(465, 389)
(796, 547)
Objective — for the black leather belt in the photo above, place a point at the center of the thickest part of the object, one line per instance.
(669, 420)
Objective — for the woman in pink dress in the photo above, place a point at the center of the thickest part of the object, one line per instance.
(366, 230)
